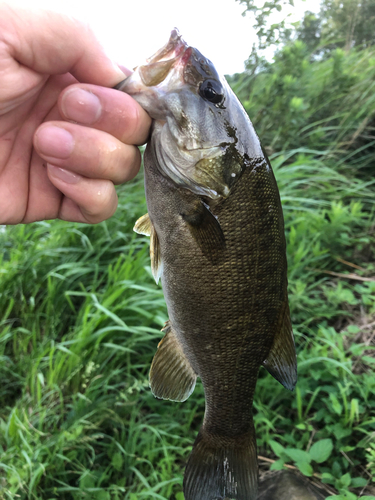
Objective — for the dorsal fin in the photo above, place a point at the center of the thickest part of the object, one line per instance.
(281, 361)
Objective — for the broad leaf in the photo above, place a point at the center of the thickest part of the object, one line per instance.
(321, 450)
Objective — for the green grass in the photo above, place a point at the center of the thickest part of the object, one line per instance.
(81, 318)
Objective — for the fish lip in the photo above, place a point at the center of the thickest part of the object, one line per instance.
(174, 54)
(173, 49)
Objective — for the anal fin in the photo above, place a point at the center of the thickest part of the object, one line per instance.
(171, 375)
(281, 362)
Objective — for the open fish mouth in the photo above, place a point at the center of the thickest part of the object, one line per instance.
(171, 50)
(175, 53)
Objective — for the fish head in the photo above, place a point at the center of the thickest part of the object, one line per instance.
(202, 136)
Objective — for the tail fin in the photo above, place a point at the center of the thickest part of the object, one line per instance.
(220, 468)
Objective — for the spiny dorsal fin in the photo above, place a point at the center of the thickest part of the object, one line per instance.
(171, 375)
(281, 361)
(206, 231)
(143, 225)
(155, 255)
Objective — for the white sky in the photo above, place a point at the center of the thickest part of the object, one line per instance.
(132, 30)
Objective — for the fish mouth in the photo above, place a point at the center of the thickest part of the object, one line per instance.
(175, 46)
(175, 53)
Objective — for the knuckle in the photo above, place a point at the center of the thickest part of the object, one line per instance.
(121, 164)
(103, 203)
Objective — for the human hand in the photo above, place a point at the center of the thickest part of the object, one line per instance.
(63, 144)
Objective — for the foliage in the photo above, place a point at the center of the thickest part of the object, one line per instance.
(268, 34)
(347, 23)
(327, 106)
(316, 117)
(80, 323)
(343, 24)
(81, 314)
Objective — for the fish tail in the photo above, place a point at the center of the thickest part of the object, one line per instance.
(222, 467)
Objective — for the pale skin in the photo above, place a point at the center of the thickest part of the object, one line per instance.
(66, 137)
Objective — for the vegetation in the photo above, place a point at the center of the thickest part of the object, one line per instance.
(81, 314)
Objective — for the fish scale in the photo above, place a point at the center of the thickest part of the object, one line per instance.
(218, 245)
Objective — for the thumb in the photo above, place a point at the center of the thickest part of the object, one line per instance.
(49, 43)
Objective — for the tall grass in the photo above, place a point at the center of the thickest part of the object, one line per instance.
(81, 319)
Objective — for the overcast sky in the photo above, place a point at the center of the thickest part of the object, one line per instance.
(132, 30)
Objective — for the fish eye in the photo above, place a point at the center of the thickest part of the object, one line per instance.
(212, 91)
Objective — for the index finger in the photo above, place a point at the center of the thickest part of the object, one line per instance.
(117, 113)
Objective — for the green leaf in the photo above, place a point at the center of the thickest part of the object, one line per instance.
(277, 448)
(328, 478)
(340, 432)
(336, 469)
(346, 479)
(358, 482)
(117, 461)
(305, 468)
(343, 496)
(12, 425)
(298, 455)
(350, 496)
(353, 329)
(335, 404)
(102, 495)
(278, 465)
(321, 450)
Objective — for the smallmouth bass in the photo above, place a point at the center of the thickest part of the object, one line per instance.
(217, 243)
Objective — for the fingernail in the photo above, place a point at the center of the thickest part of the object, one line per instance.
(118, 69)
(81, 106)
(54, 141)
(63, 175)
(127, 72)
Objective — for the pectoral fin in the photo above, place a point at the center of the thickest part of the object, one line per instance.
(155, 255)
(143, 225)
(206, 230)
(281, 361)
(171, 375)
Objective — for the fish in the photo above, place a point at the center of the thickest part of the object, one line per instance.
(217, 244)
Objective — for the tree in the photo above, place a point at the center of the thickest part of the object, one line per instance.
(339, 24)
(309, 30)
(348, 23)
(268, 34)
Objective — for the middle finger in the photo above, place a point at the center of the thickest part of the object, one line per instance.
(87, 151)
